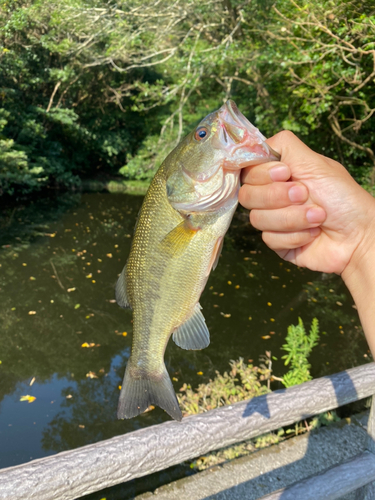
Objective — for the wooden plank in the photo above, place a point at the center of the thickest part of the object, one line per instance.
(333, 483)
(367, 492)
(74, 473)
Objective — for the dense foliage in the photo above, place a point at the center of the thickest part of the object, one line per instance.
(90, 86)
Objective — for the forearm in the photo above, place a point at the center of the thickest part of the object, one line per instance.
(359, 277)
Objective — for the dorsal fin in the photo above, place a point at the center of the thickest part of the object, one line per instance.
(193, 334)
(121, 293)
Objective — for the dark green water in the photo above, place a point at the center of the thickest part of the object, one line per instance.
(60, 259)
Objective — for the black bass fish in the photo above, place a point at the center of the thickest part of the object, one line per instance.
(177, 242)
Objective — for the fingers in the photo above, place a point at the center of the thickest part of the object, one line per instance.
(266, 173)
(283, 242)
(290, 219)
(272, 196)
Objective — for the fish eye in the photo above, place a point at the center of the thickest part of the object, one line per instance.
(201, 133)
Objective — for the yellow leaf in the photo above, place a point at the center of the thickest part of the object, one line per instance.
(265, 337)
(124, 334)
(28, 398)
(71, 290)
(85, 344)
(89, 275)
(269, 304)
(31, 313)
(199, 373)
(119, 387)
(109, 255)
(91, 375)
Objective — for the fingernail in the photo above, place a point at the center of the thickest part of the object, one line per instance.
(297, 194)
(314, 231)
(280, 173)
(315, 214)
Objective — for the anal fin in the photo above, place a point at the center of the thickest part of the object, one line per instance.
(121, 292)
(193, 334)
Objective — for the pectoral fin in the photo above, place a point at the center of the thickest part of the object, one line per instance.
(121, 293)
(216, 253)
(193, 334)
(177, 240)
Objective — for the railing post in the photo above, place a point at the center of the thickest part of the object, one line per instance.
(367, 492)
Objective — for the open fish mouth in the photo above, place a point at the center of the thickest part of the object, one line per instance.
(243, 143)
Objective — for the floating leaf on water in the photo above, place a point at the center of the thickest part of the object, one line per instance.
(109, 255)
(339, 303)
(175, 379)
(246, 258)
(29, 399)
(216, 305)
(250, 318)
(124, 334)
(237, 287)
(81, 426)
(221, 295)
(31, 313)
(112, 301)
(24, 264)
(71, 290)
(225, 315)
(116, 246)
(229, 282)
(251, 275)
(265, 337)
(269, 304)
(32, 381)
(275, 278)
(91, 375)
(32, 278)
(77, 306)
(272, 319)
(89, 275)
(199, 373)
(119, 387)
(68, 396)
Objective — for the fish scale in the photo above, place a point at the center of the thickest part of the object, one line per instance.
(184, 217)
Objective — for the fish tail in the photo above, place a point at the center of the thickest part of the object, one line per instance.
(140, 390)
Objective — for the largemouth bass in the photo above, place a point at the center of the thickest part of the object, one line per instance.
(177, 242)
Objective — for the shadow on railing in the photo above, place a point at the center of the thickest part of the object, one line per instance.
(78, 472)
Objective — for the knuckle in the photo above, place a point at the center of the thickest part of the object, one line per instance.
(296, 239)
(289, 223)
(285, 136)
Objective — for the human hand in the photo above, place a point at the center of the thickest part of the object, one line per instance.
(321, 219)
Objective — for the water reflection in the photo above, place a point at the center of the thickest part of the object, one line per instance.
(60, 260)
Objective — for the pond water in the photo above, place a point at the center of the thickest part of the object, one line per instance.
(65, 342)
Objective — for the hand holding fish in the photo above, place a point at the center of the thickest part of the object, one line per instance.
(320, 219)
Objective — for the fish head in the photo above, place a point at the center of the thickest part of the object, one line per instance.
(207, 163)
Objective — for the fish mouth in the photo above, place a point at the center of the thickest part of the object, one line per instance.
(243, 143)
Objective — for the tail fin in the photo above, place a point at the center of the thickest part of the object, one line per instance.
(137, 394)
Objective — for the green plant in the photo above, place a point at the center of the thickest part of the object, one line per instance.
(299, 345)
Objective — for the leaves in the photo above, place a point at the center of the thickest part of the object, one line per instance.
(29, 399)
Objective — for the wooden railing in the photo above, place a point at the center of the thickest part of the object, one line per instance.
(71, 474)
